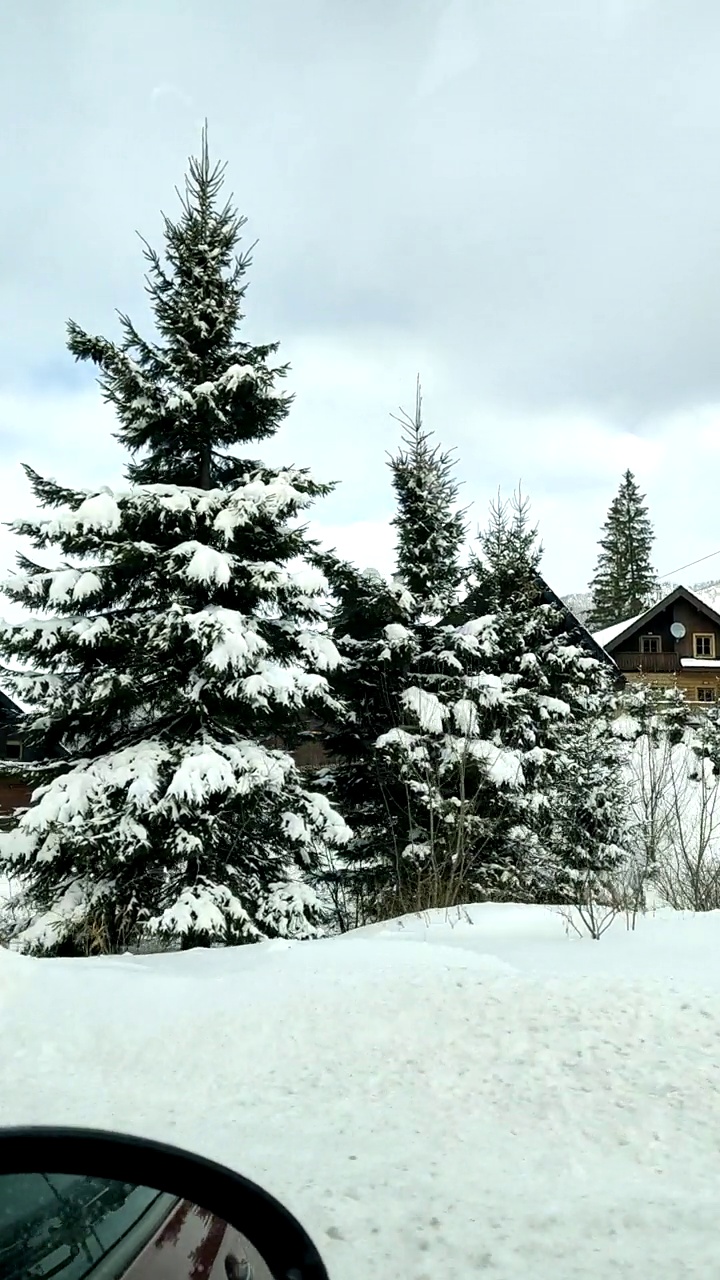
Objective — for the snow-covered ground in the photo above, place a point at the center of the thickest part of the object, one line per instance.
(433, 1097)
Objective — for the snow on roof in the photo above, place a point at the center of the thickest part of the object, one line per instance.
(608, 634)
(710, 597)
(700, 663)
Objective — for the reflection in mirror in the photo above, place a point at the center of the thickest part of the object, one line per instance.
(82, 1228)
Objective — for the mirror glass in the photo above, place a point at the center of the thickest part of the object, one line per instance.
(74, 1227)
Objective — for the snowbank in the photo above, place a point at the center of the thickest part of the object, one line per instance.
(476, 1092)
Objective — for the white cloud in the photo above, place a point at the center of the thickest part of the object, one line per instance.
(505, 197)
(453, 49)
(170, 92)
(369, 544)
(340, 426)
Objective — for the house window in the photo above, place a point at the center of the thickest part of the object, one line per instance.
(705, 694)
(704, 646)
(650, 644)
(13, 749)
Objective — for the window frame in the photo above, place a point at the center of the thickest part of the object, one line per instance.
(705, 688)
(704, 635)
(650, 636)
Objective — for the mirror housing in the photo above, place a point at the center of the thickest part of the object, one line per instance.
(274, 1233)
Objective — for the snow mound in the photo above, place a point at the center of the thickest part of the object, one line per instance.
(455, 1093)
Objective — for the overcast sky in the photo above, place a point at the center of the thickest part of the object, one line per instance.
(518, 199)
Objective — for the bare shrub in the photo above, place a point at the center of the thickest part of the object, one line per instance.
(687, 874)
(675, 819)
(593, 909)
(12, 916)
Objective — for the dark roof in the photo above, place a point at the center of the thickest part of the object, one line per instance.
(679, 593)
(9, 707)
(10, 713)
(584, 637)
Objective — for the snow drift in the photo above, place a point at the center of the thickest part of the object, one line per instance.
(480, 1092)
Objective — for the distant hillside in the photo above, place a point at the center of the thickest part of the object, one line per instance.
(580, 602)
(709, 592)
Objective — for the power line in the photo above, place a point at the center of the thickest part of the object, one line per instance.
(688, 566)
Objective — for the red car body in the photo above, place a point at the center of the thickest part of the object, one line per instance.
(195, 1245)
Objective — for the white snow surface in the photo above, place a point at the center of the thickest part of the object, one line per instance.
(503, 766)
(475, 1093)
(99, 511)
(427, 707)
(205, 564)
(396, 634)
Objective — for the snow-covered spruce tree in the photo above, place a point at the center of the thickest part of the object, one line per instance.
(430, 527)
(591, 816)
(459, 778)
(177, 641)
(372, 628)
(504, 573)
(625, 582)
(553, 693)
(380, 628)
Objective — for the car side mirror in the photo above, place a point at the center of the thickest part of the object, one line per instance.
(79, 1203)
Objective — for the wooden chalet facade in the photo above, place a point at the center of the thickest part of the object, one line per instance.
(675, 644)
(15, 789)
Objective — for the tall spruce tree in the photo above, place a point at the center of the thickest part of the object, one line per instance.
(624, 581)
(591, 810)
(374, 632)
(380, 629)
(430, 526)
(178, 640)
(555, 694)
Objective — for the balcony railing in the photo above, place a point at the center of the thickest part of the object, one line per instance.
(648, 663)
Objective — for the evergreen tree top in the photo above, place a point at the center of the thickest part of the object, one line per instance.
(507, 570)
(187, 399)
(430, 528)
(625, 580)
(510, 543)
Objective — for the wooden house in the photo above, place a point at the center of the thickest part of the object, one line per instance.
(676, 644)
(15, 787)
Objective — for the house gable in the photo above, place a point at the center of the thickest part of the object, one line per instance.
(15, 787)
(682, 606)
(647, 649)
(10, 715)
(13, 743)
